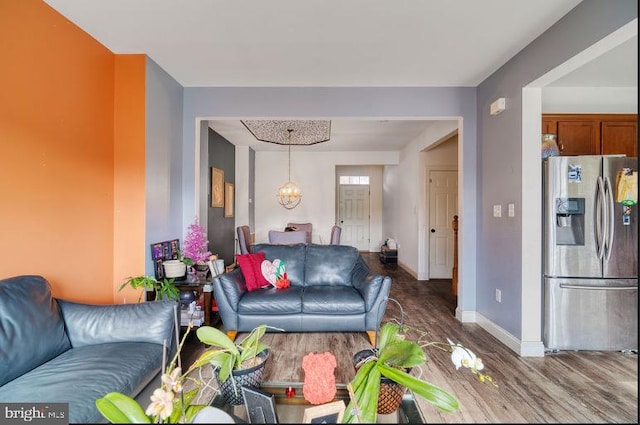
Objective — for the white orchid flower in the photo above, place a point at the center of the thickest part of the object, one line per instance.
(463, 357)
(173, 381)
(161, 404)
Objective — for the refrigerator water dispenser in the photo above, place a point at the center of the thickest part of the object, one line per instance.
(569, 221)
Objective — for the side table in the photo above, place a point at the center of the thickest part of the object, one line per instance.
(204, 290)
(388, 256)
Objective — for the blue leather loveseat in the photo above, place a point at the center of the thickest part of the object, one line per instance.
(332, 290)
(55, 351)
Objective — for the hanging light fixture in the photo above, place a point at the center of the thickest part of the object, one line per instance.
(289, 195)
(308, 132)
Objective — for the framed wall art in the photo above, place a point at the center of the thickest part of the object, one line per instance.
(217, 188)
(228, 199)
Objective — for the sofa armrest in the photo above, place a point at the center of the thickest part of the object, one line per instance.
(228, 288)
(367, 283)
(89, 324)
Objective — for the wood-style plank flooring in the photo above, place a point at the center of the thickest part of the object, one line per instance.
(567, 387)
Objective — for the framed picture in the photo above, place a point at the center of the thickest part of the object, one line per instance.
(329, 413)
(161, 251)
(260, 406)
(217, 188)
(228, 199)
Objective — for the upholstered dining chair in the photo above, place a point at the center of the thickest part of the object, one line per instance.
(336, 231)
(244, 239)
(307, 227)
(277, 237)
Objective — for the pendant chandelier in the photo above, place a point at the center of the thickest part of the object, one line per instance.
(289, 195)
(308, 132)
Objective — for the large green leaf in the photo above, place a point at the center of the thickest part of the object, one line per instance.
(216, 338)
(366, 394)
(403, 354)
(388, 334)
(118, 408)
(440, 398)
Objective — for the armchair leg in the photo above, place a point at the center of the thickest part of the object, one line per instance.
(372, 337)
(232, 335)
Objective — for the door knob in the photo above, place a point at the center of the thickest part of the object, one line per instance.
(433, 230)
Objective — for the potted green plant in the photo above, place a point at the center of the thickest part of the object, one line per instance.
(170, 403)
(387, 367)
(235, 365)
(164, 289)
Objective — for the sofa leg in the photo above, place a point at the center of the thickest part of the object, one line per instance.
(232, 335)
(372, 337)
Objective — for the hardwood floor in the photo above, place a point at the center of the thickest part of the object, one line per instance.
(568, 387)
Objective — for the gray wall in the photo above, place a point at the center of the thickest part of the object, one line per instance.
(221, 230)
(501, 161)
(164, 201)
(346, 102)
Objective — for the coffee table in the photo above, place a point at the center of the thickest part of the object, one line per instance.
(291, 409)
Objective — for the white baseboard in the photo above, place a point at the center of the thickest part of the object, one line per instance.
(408, 270)
(523, 349)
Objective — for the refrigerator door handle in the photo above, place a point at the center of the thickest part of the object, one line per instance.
(600, 288)
(598, 222)
(609, 221)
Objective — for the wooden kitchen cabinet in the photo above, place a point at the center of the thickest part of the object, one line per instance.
(593, 134)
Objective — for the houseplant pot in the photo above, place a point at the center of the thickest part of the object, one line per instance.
(174, 268)
(234, 365)
(390, 393)
(251, 378)
(391, 360)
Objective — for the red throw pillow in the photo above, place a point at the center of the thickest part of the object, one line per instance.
(250, 265)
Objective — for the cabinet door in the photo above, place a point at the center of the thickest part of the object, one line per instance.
(581, 137)
(620, 137)
(549, 126)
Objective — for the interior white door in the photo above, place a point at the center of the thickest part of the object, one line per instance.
(353, 215)
(443, 205)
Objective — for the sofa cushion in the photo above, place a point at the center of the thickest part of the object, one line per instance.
(31, 327)
(251, 267)
(79, 376)
(271, 300)
(330, 264)
(293, 257)
(337, 300)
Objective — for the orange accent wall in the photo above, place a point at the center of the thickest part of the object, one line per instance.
(129, 177)
(57, 145)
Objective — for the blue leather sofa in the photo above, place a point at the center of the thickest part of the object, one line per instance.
(55, 351)
(332, 290)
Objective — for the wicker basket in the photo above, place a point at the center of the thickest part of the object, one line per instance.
(390, 394)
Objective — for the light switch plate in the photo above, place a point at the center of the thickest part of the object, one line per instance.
(512, 210)
(497, 210)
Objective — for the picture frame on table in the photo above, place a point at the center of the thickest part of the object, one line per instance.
(228, 199)
(328, 413)
(260, 406)
(217, 188)
(162, 251)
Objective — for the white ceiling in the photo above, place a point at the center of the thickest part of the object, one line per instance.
(333, 43)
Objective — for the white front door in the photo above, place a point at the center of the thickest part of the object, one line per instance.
(353, 215)
(443, 205)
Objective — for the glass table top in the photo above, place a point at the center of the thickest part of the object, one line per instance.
(290, 405)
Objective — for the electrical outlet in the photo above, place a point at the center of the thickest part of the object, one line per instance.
(497, 210)
(498, 295)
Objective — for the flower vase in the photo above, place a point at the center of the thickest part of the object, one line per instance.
(202, 271)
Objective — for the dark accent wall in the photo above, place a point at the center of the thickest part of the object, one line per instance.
(221, 230)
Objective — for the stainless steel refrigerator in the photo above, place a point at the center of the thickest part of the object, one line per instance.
(590, 253)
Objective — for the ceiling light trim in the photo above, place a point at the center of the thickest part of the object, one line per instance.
(306, 132)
